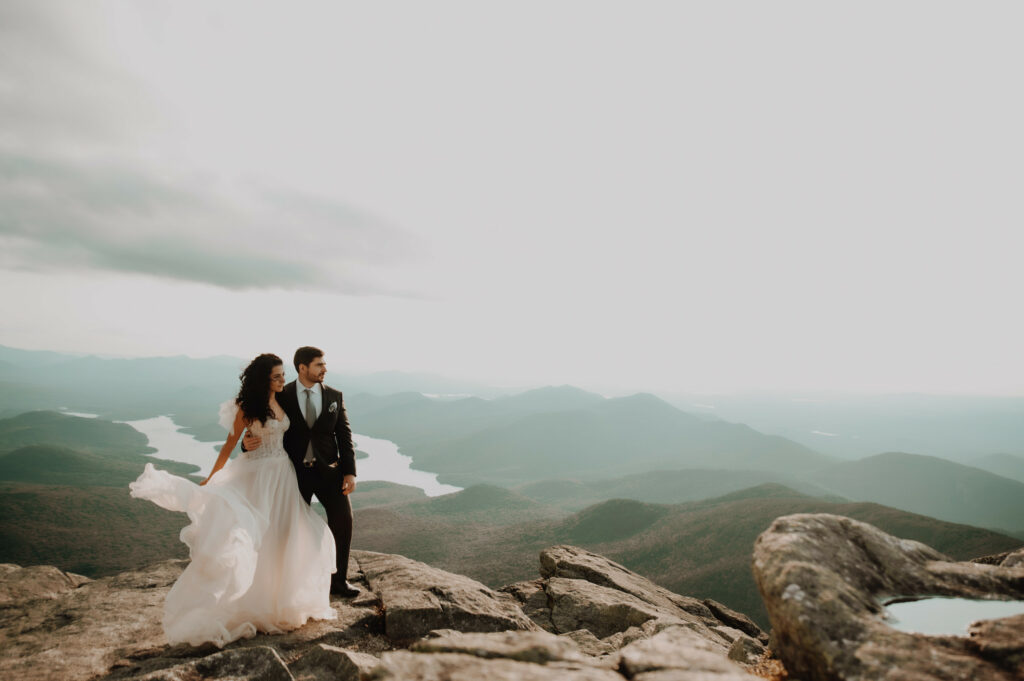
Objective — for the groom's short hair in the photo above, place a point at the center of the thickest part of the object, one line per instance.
(306, 354)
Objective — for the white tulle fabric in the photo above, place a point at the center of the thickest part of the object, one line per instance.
(261, 557)
(226, 414)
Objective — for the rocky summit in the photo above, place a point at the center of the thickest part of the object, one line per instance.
(585, 618)
(825, 580)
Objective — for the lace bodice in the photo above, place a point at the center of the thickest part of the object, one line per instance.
(272, 435)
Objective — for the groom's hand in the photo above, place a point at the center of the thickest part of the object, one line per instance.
(251, 441)
(348, 485)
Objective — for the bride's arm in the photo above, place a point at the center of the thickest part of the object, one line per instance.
(225, 452)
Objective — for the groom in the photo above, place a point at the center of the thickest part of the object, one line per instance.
(319, 443)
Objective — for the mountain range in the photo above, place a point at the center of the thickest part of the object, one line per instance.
(962, 428)
(555, 432)
(570, 448)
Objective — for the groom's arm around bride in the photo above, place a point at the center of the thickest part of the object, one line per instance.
(319, 443)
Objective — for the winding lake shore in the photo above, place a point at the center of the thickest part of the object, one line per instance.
(384, 461)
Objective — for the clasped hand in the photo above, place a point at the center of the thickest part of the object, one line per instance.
(251, 442)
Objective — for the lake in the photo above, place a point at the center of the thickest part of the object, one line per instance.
(385, 462)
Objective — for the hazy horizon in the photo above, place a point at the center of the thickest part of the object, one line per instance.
(605, 390)
(722, 198)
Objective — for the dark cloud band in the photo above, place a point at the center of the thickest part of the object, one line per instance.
(56, 214)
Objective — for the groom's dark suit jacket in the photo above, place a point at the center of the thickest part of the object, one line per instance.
(330, 434)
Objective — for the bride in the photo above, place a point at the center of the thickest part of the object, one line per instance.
(261, 557)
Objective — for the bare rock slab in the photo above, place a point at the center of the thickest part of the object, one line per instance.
(533, 600)
(408, 666)
(84, 631)
(418, 598)
(678, 650)
(257, 663)
(1000, 641)
(56, 630)
(579, 604)
(735, 620)
(19, 584)
(579, 589)
(572, 562)
(538, 647)
(824, 579)
(588, 643)
(1015, 559)
(331, 663)
(691, 675)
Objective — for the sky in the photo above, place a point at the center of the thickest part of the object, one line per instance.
(691, 197)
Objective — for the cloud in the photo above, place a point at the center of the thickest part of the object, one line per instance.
(57, 214)
(56, 92)
(90, 179)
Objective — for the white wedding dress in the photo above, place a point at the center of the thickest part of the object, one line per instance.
(261, 557)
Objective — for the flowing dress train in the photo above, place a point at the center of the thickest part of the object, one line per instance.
(262, 559)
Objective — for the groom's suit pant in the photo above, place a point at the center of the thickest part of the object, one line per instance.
(327, 489)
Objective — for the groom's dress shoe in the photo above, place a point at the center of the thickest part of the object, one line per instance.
(344, 589)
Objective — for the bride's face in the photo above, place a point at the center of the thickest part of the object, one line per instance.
(277, 379)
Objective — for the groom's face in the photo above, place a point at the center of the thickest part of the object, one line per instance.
(314, 371)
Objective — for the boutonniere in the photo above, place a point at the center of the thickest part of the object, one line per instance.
(333, 408)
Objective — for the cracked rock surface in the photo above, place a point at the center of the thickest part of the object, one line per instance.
(586, 618)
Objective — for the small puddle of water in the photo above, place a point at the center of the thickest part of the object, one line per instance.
(942, 616)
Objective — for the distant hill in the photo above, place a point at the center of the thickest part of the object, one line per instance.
(64, 496)
(930, 486)
(84, 434)
(390, 382)
(660, 487)
(555, 432)
(51, 448)
(414, 420)
(547, 399)
(1007, 465)
(698, 548)
(481, 504)
(93, 531)
(612, 520)
(50, 465)
(380, 493)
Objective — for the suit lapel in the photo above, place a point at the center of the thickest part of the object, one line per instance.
(324, 404)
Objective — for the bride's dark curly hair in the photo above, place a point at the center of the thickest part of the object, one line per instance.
(254, 395)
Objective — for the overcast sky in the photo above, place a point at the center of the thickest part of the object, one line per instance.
(697, 197)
